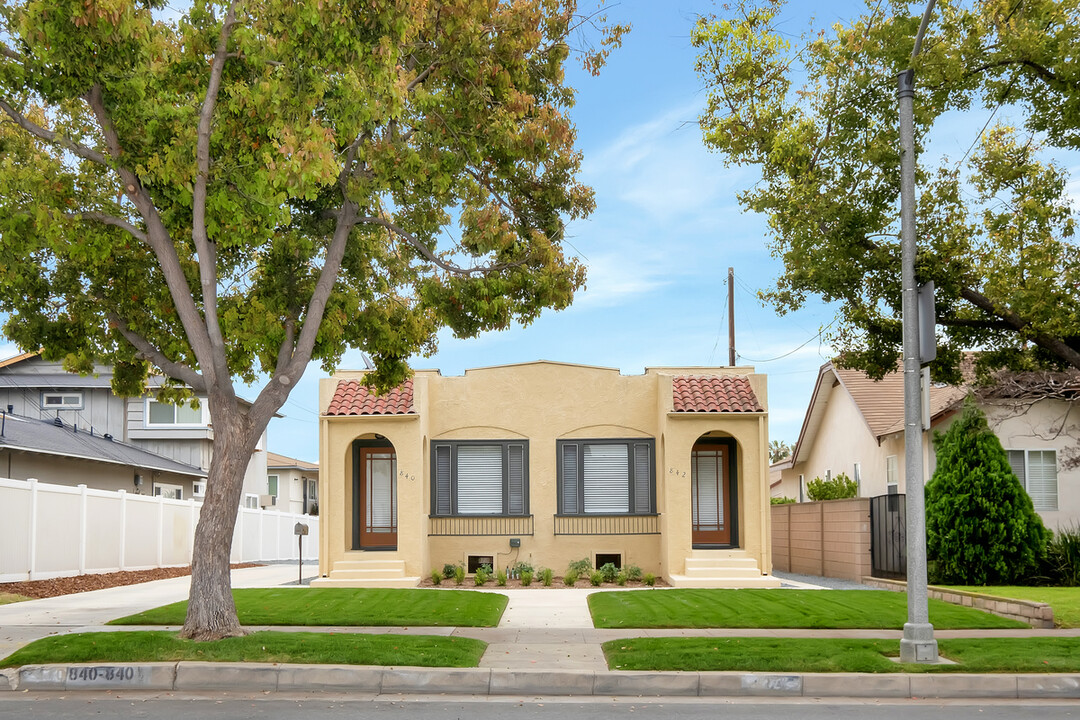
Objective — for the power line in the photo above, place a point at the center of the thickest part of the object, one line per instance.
(791, 352)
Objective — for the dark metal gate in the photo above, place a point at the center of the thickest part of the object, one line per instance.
(888, 537)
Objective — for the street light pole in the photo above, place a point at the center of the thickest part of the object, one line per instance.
(918, 644)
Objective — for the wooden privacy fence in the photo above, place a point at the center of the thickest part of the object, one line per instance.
(49, 531)
(829, 538)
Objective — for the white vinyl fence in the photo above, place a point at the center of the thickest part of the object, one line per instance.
(49, 531)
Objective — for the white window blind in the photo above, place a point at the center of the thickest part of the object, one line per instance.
(708, 512)
(891, 484)
(381, 508)
(606, 478)
(1037, 471)
(479, 479)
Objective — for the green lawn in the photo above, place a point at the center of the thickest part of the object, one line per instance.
(269, 646)
(1064, 600)
(691, 608)
(6, 598)
(347, 606)
(1037, 654)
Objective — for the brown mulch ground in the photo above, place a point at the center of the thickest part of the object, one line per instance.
(556, 583)
(84, 583)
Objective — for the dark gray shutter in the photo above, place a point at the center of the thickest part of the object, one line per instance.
(516, 479)
(443, 501)
(570, 482)
(642, 478)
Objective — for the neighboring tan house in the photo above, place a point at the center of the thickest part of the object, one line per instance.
(547, 463)
(855, 425)
(294, 484)
(36, 389)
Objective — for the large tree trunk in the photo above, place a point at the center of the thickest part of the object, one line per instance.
(211, 611)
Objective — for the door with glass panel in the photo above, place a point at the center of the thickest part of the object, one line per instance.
(710, 495)
(378, 498)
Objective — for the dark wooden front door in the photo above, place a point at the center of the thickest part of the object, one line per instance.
(378, 498)
(711, 490)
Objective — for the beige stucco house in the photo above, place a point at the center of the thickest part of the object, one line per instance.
(546, 463)
(855, 425)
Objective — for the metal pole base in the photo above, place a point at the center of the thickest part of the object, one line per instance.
(918, 644)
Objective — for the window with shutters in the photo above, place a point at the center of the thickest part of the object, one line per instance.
(1037, 471)
(479, 477)
(607, 477)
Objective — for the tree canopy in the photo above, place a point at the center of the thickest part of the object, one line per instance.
(255, 185)
(818, 117)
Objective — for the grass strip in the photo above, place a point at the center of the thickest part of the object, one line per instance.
(6, 598)
(1064, 600)
(263, 647)
(697, 608)
(983, 655)
(347, 607)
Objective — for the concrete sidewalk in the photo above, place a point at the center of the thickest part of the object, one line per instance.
(544, 644)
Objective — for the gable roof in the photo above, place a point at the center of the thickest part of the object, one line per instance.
(281, 462)
(351, 397)
(880, 402)
(711, 393)
(46, 437)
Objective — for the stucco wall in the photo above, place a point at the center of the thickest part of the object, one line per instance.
(543, 403)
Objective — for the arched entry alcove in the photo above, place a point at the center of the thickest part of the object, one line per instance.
(374, 493)
(714, 491)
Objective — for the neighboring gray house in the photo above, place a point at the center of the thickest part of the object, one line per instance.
(293, 484)
(34, 389)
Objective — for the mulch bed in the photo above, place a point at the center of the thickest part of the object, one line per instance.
(556, 584)
(84, 583)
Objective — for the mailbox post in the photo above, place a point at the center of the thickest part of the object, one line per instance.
(300, 531)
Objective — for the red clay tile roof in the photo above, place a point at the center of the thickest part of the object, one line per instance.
(694, 393)
(353, 398)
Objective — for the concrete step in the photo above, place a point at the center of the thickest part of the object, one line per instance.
(367, 574)
(743, 562)
(387, 564)
(402, 582)
(728, 553)
(723, 572)
(761, 581)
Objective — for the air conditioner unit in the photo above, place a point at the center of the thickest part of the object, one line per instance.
(267, 500)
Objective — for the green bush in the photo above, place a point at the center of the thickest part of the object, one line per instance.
(448, 570)
(569, 578)
(483, 574)
(981, 528)
(781, 501)
(620, 579)
(500, 578)
(596, 578)
(545, 576)
(1063, 557)
(581, 567)
(649, 579)
(459, 574)
(633, 572)
(526, 577)
(436, 576)
(839, 487)
(520, 568)
(609, 572)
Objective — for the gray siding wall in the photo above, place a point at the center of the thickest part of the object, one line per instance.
(192, 452)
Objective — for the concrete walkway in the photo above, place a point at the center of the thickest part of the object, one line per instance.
(543, 630)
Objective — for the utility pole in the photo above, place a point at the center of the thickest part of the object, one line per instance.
(731, 316)
(918, 644)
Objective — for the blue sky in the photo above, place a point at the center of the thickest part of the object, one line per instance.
(666, 228)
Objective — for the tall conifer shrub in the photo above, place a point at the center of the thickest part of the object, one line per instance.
(981, 528)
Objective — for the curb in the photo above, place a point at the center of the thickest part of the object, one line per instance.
(252, 677)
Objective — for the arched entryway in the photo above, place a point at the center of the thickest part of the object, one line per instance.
(375, 502)
(714, 491)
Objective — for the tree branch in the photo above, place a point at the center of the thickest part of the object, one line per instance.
(1055, 345)
(114, 222)
(429, 254)
(147, 351)
(52, 137)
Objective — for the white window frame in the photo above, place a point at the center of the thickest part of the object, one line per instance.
(802, 488)
(857, 477)
(72, 400)
(1040, 502)
(251, 501)
(892, 475)
(277, 484)
(204, 419)
(178, 489)
(198, 488)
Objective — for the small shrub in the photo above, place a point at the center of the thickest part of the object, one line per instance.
(581, 567)
(1063, 557)
(781, 501)
(633, 572)
(569, 578)
(545, 576)
(521, 567)
(609, 572)
(840, 487)
(448, 570)
(500, 578)
(596, 578)
(483, 574)
(649, 579)
(620, 579)
(459, 574)
(526, 577)
(436, 576)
